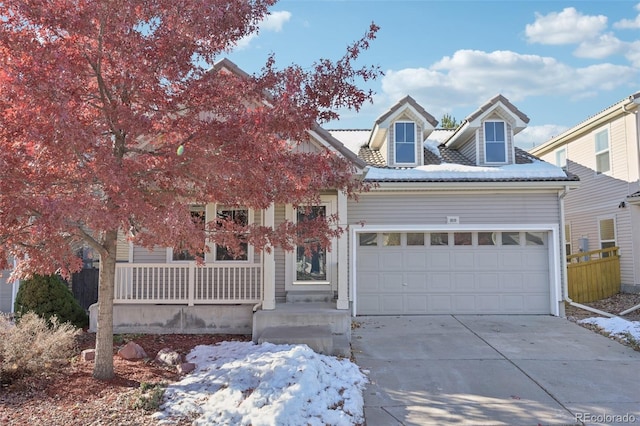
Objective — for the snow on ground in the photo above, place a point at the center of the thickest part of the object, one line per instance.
(241, 383)
(616, 326)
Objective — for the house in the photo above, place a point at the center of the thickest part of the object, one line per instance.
(459, 221)
(8, 292)
(604, 151)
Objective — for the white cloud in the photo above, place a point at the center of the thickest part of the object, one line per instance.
(536, 135)
(629, 23)
(566, 27)
(471, 77)
(601, 47)
(272, 22)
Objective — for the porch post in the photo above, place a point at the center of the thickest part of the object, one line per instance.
(343, 276)
(269, 266)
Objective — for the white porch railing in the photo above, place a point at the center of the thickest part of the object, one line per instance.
(187, 283)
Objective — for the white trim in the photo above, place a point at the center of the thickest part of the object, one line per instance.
(553, 243)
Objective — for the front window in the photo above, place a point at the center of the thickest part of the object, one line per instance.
(495, 142)
(311, 258)
(405, 142)
(603, 163)
(238, 216)
(198, 217)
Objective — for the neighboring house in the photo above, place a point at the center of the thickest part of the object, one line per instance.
(459, 222)
(604, 151)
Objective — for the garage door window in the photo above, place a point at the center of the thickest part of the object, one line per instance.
(486, 239)
(535, 238)
(462, 238)
(510, 238)
(368, 239)
(415, 239)
(391, 239)
(440, 239)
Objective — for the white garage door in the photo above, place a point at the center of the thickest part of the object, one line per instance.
(452, 273)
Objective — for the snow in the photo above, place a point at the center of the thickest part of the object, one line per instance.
(432, 145)
(241, 383)
(616, 326)
(536, 169)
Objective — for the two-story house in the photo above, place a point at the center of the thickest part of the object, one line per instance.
(458, 221)
(604, 151)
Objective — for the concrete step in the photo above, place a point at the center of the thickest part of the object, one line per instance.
(309, 296)
(318, 338)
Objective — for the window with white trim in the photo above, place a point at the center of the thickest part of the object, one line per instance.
(561, 157)
(603, 159)
(495, 142)
(198, 217)
(567, 238)
(405, 142)
(239, 216)
(311, 258)
(607, 232)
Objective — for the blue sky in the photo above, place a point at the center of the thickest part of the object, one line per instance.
(559, 62)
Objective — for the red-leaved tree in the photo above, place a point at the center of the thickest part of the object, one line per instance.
(112, 118)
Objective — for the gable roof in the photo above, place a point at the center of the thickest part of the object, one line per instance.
(472, 122)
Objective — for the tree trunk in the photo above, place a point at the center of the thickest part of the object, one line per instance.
(103, 368)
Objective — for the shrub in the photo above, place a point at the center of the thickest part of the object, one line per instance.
(33, 346)
(47, 296)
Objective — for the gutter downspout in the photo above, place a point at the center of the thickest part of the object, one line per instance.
(565, 284)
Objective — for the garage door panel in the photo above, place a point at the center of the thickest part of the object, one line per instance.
(452, 279)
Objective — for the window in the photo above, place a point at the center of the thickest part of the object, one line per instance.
(534, 238)
(198, 217)
(405, 142)
(391, 239)
(462, 238)
(415, 239)
(561, 157)
(607, 230)
(603, 163)
(368, 239)
(495, 142)
(567, 238)
(510, 238)
(486, 239)
(311, 258)
(238, 216)
(440, 239)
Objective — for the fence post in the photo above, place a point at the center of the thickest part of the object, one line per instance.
(191, 284)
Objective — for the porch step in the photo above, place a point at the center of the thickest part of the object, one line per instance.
(309, 296)
(318, 338)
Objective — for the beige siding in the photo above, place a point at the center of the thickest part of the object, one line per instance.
(122, 251)
(468, 149)
(143, 255)
(471, 208)
(599, 195)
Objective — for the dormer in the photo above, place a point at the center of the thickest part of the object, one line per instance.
(399, 133)
(486, 136)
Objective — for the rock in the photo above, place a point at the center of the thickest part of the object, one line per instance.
(186, 367)
(132, 351)
(167, 356)
(88, 355)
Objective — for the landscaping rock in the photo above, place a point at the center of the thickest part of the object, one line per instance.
(132, 351)
(88, 355)
(186, 367)
(168, 356)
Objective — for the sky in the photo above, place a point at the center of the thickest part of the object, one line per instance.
(559, 62)
(241, 383)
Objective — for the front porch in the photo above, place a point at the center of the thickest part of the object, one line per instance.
(187, 298)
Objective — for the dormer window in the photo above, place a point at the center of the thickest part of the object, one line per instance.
(495, 142)
(405, 142)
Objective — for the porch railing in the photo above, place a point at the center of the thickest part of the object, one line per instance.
(187, 283)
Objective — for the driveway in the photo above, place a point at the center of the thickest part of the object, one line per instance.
(511, 370)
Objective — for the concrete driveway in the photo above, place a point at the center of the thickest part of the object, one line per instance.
(478, 370)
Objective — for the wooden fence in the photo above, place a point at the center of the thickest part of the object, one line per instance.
(593, 275)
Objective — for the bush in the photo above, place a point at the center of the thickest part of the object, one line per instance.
(33, 346)
(48, 296)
